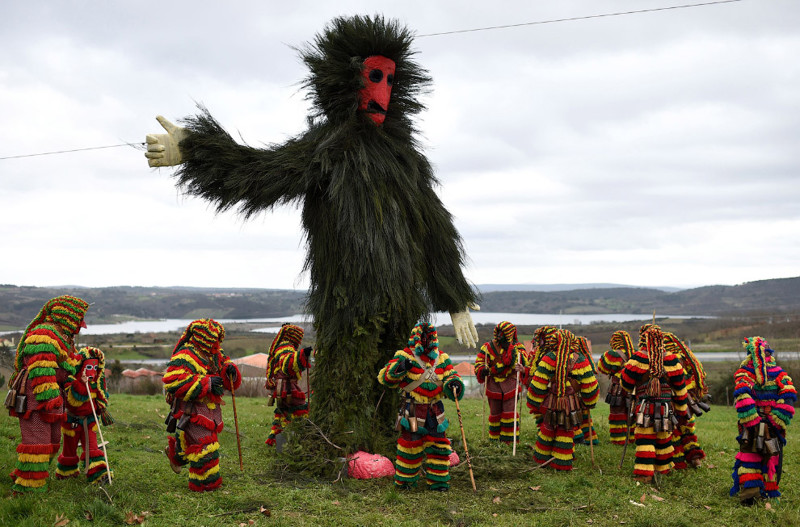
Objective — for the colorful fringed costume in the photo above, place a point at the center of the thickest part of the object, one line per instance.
(285, 368)
(545, 340)
(44, 361)
(685, 442)
(764, 397)
(611, 363)
(80, 428)
(656, 378)
(196, 377)
(382, 249)
(423, 373)
(562, 383)
(587, 430)
(496, 366)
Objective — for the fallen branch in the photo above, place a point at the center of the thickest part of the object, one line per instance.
(540, 466)
(319, 431)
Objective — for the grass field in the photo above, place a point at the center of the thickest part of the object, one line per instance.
(510, 490)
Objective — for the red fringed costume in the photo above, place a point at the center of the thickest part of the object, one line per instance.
(195, 379)
(44, 361)
(562, 383)
(285, 367)
(656, 378)
(497, 365)
(80, 427)
(611, 363)
(764, 397)
(424, 374)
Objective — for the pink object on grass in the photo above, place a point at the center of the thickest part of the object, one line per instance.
(363, 465)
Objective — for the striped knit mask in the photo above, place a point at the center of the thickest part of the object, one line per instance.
(759, 352)
(204, 335)
(289, 333)
(424, 340)
(546, 338)
(621, 340)
(651, 341)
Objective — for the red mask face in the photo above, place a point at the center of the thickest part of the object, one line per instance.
(90, 368)
(378, 75)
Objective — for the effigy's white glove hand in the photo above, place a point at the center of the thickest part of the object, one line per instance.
(162, 149)
(464, 327)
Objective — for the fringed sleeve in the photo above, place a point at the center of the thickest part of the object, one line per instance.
(537, 389)
(634, 371)
(677, 381)
(610, 363)
(587, 380)
(743, 396)
(481, 368)
(186, 377)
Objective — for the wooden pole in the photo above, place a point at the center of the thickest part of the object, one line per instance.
(464, 439)
(99, 431)
(236, 423)
(516, 415)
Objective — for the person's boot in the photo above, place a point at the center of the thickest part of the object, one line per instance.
(175, 468)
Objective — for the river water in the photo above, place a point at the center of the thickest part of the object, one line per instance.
(271, 325)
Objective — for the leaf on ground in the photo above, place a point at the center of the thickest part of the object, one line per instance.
(496, 499)
(590, 520)
(265, 511)
(131, 518)
(336, 502)
(61, 520)
(494, 515)
(707, 507)
(88, 515)
(722, 453)
(767, 506)
(657, 498)
(636, 503)
(537, 487)
(643, 498)
(711, 466)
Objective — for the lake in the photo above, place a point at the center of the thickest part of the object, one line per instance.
(271, 325)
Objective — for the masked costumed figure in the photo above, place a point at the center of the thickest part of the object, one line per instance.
(382, 251)
(500, 364)
(545, 340)
(611, 363)
(423, 374)
(285, 368)
(80, 428)
(562, 383)
(684, 440)
(657, 380)
(196, 376)
(764, 398)
(587, 430)
(44, 361)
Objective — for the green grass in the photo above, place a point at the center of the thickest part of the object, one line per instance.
(510, 490)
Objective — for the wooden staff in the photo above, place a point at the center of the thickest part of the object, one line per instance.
(99, 431)
(236, 423)
(464, 439)
(591, 441)
(483, 412)
(516, 401)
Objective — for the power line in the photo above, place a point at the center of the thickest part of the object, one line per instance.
(488, 28)
(571, 19)
(133, 145)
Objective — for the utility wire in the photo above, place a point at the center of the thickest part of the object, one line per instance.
(488, 28)
(132, 145)
(571, 19)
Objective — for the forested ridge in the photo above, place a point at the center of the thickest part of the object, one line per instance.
(18, 304)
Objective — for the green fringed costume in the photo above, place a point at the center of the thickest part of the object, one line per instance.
(382, 251)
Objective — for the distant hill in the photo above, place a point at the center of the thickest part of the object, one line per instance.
(18, 305)
(488, 288)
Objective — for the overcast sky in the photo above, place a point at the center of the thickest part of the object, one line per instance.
(654, 149)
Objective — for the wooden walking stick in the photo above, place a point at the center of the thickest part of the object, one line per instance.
(99, 431)
(627, 429)
(464, 438)
(483, 412)
(516, 415)
(236, 423)
(591, 441)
